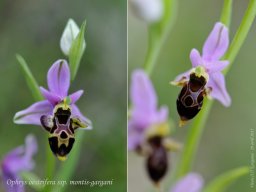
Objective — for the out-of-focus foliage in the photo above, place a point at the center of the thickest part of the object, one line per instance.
(34, 29)
(225, 143)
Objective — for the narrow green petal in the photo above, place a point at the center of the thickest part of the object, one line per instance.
(223, 181)
(32, 84)
(76, 51)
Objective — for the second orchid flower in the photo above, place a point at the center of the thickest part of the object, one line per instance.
(205, 78)
(148, 127)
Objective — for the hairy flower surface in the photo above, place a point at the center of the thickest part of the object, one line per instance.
(214, 48)
(192, 182)
(16, 161)
(144, 111)
(58, 79)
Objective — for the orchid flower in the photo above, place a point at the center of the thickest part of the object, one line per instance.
(58, 79)
(210, 61)
(16, 161)
(144, 112)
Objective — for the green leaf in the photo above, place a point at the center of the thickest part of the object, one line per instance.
(33, 179)
(76, 51)
(68, 167)
(32, 84)
(223, 181)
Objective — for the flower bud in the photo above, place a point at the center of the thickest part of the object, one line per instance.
(69, 35)
(148, 10)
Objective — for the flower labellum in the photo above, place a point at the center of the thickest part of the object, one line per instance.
(205, 78)
(150, 11)
(190, 99)
(58, 113)
(69, 35)
(157, 161)
(61, 127)
(16, 161)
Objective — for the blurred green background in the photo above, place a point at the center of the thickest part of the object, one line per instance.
(226, 140)
(33, 29)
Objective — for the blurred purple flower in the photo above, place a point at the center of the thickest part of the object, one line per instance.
(192, 182)
(144, 112)
(16, 161)
(58, 79)
(214, 48)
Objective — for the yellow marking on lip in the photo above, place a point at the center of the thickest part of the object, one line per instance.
(200, 71)
(62, 158)
(162, 130)
(63, 105)
(182, 123)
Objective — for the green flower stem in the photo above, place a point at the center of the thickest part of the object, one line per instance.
(154, 48)
(31, 177)
(198, 125)
(50, 166)
(241, 33)
(193, 139)
(226, 12)
(158, 33)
